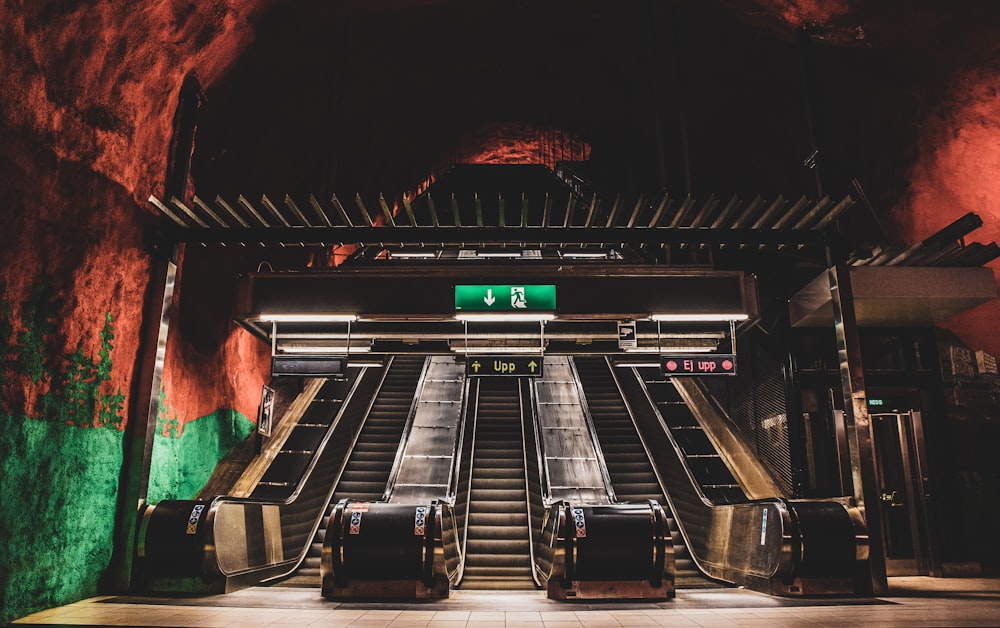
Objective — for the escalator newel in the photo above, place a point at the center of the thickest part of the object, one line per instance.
(384, 550)
(610, 551)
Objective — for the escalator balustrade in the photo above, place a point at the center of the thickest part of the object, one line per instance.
(608, 551)
(265, 537)
(385, 550)
(404, 545)
(286, 470)
(770, 544)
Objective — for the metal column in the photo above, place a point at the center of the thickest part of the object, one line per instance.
(857, 423)
(142, 418)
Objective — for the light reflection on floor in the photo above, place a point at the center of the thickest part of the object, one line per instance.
(912, 601)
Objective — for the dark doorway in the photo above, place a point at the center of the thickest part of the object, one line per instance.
(902, 477)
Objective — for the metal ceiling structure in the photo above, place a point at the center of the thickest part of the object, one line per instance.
(286, 224)
(946, 248)
(532, 207)
(555, 217)
(605, 258)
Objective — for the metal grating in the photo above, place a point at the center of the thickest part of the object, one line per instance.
(529, 205)
(755, 403)
(464, 217)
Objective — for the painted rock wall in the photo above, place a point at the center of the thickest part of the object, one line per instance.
(85, 111)
(956, 173)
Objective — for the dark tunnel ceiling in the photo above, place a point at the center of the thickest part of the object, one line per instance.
(369, 100)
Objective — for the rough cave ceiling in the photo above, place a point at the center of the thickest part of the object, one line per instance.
(369, 100)
(317, 96)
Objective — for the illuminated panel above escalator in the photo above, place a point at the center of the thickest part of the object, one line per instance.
(496, 308)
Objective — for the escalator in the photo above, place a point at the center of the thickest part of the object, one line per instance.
(592, 544)
(497, 545)
(225, 543)
(627, 460)
(717, 482)
(391, 530)
(367, 471)
(737, 525)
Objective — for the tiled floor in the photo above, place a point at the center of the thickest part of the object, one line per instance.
(912, 601)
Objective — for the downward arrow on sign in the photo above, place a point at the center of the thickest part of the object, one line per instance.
(489, 299)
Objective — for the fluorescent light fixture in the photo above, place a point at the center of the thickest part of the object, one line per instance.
(601, 255)
(308, 318)
(698, 318)
(413, 255)
(509, 254)
(326, 350)
(367, 364)
(668, 349)
(506, 317)
(498, 350)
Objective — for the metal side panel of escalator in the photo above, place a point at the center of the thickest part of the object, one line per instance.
(770, 544)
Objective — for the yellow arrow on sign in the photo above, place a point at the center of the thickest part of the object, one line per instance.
(532, 365)
(475, 366)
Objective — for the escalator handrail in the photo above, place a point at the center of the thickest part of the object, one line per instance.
(528, 414)
(326, 438)
(755, 480)
(649, 456)
(472, 457)
(456, 467)
(666, 432)
(211, 562)
(631, 416)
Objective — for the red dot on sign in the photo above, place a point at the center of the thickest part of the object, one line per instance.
(727, 365)
(671, 365)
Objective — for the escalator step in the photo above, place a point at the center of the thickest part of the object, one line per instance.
(305, 438)
(500, 507)
(497, 478)
(491, 494)
(312, 563)
(693, 442)
(498, 557)
(473, 572)
(496, 532)
(503, 519)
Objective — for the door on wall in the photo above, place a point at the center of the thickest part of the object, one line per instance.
(901, 468)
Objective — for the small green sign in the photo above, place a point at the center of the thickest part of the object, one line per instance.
(505, 298)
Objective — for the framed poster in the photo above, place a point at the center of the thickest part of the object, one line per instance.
(265, 413)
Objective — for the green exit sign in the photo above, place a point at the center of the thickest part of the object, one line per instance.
(505, 298)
